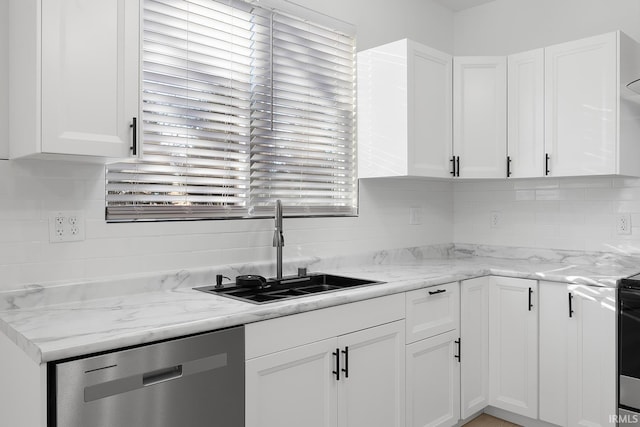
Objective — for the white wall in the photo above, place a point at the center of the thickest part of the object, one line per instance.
(4, 79)
(503, 27)
(383, 21)
(29, 190)
(571, 213)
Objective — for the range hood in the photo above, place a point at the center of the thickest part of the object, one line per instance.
(634, 86)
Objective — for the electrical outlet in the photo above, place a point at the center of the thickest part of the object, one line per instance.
(66, 226)
(623, 224)
(495, 219)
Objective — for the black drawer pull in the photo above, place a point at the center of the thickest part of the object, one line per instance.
(546, 164)
(530, 304)
(134, 145)
(337, 371)
(346, 362)
(439, 291)
(570, 304)
(458, 356)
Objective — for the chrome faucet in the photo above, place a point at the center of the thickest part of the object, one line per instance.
(278, 239)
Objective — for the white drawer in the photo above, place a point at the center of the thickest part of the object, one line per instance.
(286, 332)
(432, 311)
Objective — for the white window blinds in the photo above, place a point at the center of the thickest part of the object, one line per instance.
(241, 105)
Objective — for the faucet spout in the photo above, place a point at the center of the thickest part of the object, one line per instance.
(278, 238)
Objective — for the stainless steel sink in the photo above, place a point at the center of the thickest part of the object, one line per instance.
(288, 287)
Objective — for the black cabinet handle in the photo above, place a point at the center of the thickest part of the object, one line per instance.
(458, 356)
(458, 166)
(570, 304)
(337, 371)
(530, 304)
(508, 166)
(546, 164)
(439, 291)
(346, 362)
(453, 166)
(134, 127)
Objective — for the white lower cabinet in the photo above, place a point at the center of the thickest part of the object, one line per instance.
(474, 336)
(433, 381)
(432, 311)
(372, 390)
(433, 356)
(293, 388)
(542, 350)
(347, 379)
(513, 345)
(577, 355)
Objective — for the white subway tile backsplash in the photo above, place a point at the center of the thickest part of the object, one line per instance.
(30, 189)
(569, 213)
(525, 195)
(558, 213)
(535, 184)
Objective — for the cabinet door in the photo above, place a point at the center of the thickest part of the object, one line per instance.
(592, 356)
(581, 106)
(382, 111)
(554, 362)
(474, 337)
(429, 109)
(525, 139)
(90, 62)
(372, 391)
(293, 388)
(513, 345)
(480, 116)
(432, 311)
(433, 381)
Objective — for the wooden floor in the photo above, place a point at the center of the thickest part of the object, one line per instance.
(485, 420)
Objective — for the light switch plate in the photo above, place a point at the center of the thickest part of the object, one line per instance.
(415, 216)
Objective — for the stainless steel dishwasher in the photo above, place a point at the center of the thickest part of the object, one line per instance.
(195, 381)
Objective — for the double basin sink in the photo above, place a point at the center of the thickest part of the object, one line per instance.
(290, 287)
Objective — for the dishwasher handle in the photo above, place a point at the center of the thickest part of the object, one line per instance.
(161, 375)
(150, 378)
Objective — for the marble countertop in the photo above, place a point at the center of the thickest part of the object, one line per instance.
(53, 323)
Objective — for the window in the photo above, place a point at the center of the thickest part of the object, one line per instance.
(241, 105)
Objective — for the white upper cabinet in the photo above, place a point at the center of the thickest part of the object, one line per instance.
(75, 77)
(404, 111)
(480, 116)
(591, 124)
(525, 141)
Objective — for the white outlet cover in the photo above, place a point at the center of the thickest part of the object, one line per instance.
(623, 224)
(66, 226)
(495, 219)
